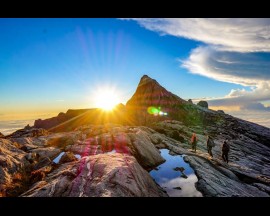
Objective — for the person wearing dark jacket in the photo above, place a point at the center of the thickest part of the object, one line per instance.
(225, 151)
(194, 141)
(209, 144)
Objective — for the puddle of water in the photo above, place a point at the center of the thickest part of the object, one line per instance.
(57, 159)
(110, 152)
(78, 156)
(171, 180)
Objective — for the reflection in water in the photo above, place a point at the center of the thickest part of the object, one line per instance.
(169, 179)
(57, 159)
(78, 156)
(111, 152)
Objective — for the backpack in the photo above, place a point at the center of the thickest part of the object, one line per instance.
(193, 141)
(226, 147)
(211, 143)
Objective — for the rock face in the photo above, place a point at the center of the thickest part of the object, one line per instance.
(203, 104)
(152, 103)
(1, 135)
(12, 162)
(67, 157)
(126, 152)
(124, 139)
(102, 175)
(150, 93)
(221, 111)
(147, 154)
(248, 172)
(117, 158)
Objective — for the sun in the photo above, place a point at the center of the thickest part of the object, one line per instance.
(106, 99)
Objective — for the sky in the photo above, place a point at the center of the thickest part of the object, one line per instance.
(48, 66)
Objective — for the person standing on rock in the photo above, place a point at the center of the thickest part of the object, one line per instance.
(194, 142)
(210, 143)
(225, 151)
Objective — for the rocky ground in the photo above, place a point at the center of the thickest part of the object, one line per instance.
(115, 161)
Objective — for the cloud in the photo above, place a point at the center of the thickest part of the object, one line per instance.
(248, 100)
(187, 186)
(258, 117)
(247, 69)
(256, 106)
(8, 127)
(227, 34)
(233, 50)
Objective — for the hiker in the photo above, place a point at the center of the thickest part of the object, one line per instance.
(210, 144)
(194, 141)
(225, 151)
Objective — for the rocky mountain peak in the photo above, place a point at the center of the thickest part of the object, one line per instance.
(150, 93)
(146, 79)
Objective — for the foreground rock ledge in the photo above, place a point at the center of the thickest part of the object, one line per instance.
(103, 175)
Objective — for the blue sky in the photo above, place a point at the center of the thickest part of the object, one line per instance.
(51, 65)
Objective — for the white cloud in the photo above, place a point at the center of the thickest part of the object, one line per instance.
(187, 186)
(243, 35)
(8, 127)
(235, 51)
(250, 100)
(247, 69)
(258, 117)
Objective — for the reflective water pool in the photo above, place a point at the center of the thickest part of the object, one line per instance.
(174, 181)
(57, 159)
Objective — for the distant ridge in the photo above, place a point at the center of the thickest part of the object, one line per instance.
(62, 117)
(95, 116)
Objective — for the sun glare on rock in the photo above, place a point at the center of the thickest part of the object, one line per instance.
(106, 99)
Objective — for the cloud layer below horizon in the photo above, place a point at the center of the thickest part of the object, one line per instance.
(232, 50)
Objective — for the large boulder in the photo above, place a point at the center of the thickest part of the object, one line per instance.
(120, 139)
(203, 104)
(1, 135)
(12, 163)
(49, 152)
(67, 157)
(145, 151)
(103, 175)
(61, 140)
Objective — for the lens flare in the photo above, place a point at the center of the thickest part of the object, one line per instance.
(156, 111)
